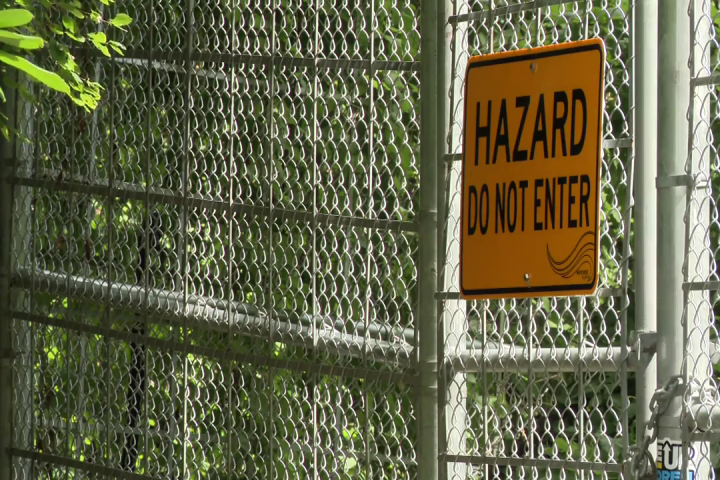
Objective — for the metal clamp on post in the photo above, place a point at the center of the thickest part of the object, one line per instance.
(643, 343)
(684, 180)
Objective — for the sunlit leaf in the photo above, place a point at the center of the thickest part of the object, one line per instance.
(69, 23)
(24, 42)
(121, 20)
(98, 37)
(50, 79)
(15, 17)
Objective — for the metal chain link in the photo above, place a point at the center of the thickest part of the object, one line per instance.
(642, 452)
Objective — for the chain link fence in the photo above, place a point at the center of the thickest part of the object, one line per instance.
(214, 275)
(539, 388)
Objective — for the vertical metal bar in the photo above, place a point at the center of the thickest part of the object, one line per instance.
(314, 325)
(7, 167)
(452, 313)
(645, 211)
(137, 371)
(230, 384)
(270, 385)
(582, 398)
(190, 27)
(368, 268)
(23, 419)
(107, 314)
(629, 211)
(33, 284)
(427, 264)
(110, 258)
(530, 427)
(673, 101)
(487, 410)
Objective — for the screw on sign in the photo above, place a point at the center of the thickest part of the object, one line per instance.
(531, 172)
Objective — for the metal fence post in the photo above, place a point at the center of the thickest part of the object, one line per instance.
(7, 164)
(646, 57)
(427, 268)
(452, 312)
(673, 102)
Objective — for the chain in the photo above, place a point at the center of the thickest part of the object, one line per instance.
(641, 456)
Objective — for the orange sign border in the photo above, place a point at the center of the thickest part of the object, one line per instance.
(580, 289)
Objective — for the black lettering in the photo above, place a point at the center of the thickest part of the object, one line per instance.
(562, 181)
(572, 223)
(549, 204)
(512, 195)
(540, 130)
(523, 185)
(502, 138)
(538, 184)
(472, 202)
(484, 201)
(584, 199)
(521, 155)
(500, 207)
(578, 96)
(483, 132)
(559, 122)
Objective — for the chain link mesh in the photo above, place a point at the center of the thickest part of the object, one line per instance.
(215, 273)
(539, 387)
(701, 399)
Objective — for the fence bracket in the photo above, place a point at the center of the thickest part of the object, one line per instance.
(643, 343)
(685, 180)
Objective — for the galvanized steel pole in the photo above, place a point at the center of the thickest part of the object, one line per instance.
(427, 268)
(673, 101)
(452, 313)
(646, 124)
(7, 163)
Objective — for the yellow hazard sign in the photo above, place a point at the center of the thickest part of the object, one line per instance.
(531, 172)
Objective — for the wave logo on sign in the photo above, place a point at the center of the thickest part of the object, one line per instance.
(580, 261)
(669, 461)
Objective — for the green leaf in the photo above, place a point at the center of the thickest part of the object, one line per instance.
(100, 40)
(102, 48)
(117, 46)
(50, 79)
(25, 42)
(15, 17)
(121, 20)
(99, 37)
(2, 96)
(69, 23)
(77, 39)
